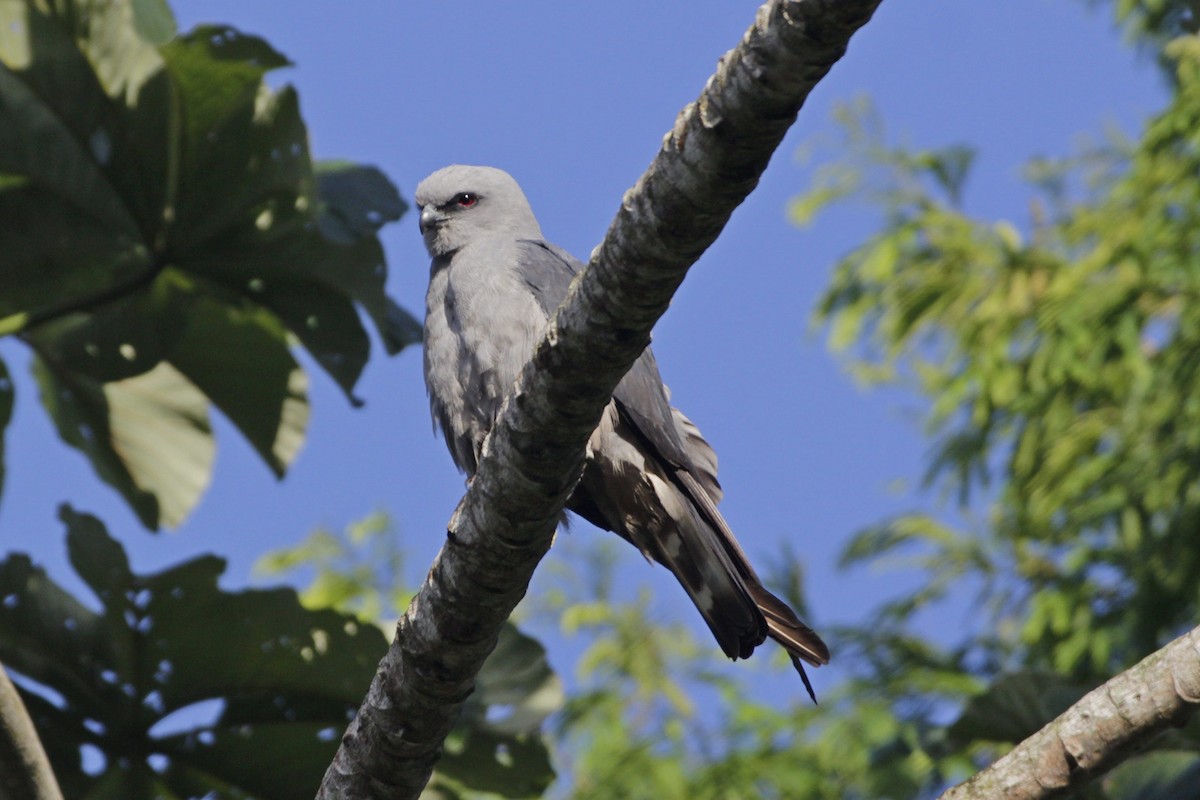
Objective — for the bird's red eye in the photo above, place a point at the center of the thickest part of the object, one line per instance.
(465, 199)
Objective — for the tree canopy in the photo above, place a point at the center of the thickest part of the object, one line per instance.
(168, 242)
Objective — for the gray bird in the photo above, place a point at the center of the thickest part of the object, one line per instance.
(650, 476)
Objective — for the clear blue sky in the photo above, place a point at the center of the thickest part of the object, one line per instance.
(573, 99)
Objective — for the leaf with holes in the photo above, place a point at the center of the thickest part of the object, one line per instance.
(67, 232)
(517, 679)
(355, 202)
(505, 765)
(148, 436)
(239, 358)
(118, 340)
(138, 167)
(276, 681)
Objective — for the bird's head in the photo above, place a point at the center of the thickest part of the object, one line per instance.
(460, 204)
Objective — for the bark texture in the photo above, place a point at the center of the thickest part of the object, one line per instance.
(25, 772)
(1104, 728)
(710, 160)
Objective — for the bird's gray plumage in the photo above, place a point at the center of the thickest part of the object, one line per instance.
(650, 476)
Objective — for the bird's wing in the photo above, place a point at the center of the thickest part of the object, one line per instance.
(640, 396)
(643, 404)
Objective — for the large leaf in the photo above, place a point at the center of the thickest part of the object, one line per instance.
(218, 74)
(153, 20)
(1162, 775)
(516, 678)
(286, 679)
(1014, 707)
(120, 339)
(355, 202)
(497, 747)
(323, 320)
(148, 436)
(159, 204)
(512, 766)
(54, 117)
(239, 358)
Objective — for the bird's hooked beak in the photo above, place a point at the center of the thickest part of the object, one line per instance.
(429, 219)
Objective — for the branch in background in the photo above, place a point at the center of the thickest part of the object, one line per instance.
(1109, 724)
(709, 162)
(25, 772)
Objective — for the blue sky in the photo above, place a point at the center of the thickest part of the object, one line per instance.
(573, 100)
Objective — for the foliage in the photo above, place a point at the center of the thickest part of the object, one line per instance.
(174, 687)
(1060, 369)
(1058, 372)
(497, 749)
(165, 239)
(1153, 23)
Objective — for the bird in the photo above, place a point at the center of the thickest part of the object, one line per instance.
(649, 475)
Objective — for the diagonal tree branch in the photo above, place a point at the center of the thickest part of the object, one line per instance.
(709, 162)
(1100, 731)
(25, 772)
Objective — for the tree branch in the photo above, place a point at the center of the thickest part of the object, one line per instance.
(1108, 725)
(25, 772)
(709, 162)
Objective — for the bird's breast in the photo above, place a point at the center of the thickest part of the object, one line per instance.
(482, 323)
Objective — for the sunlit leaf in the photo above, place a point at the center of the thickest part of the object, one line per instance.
(152, 185)
(239, 359)
(147, 436)
(153, 20)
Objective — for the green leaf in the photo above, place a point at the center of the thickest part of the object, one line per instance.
(99, 560)
(517, 678)
(67, 231)
(508, 766)
(106, 33)
(1015, 707)
(120, 339)
(252, 175)
(1155, 776)
(356, 201)
(288, 678)
(153, 20)
(148, 437)
(146, 193)
(239, 358)
(53, 255)
(37, 142)
(49, 635)
(89, 185)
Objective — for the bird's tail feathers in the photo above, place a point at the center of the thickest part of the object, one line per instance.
(800, 641)
(703, 567)
(782, 623)
(786, 628)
